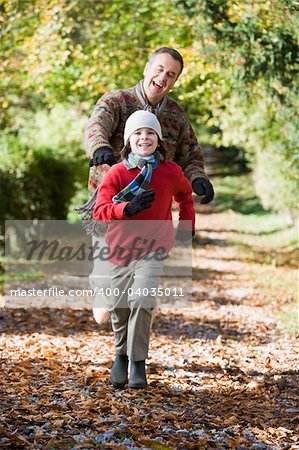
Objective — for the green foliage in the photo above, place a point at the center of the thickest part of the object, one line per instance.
(60, 128)
(42, 165)
(78, 50)
(267, 132)
(276, 179)
(41, 187)
(236, 197)
(258, 40)
(238, 86)
(247, 87)
(237, 193)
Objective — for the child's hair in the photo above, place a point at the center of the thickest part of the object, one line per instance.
(127, 149)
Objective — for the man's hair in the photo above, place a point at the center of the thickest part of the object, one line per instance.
(171, 51)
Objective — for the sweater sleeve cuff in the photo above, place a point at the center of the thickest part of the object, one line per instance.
(118, 210)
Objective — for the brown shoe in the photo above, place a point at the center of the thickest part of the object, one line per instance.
(102, 318)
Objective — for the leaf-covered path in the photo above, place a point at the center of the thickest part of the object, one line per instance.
(222, 375)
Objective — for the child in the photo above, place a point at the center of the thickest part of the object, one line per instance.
(140, 188)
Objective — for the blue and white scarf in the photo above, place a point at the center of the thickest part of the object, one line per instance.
(142, 180)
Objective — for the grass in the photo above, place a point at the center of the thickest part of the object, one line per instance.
(237, 193)
(236, 198)
(289, 318)
(264, 238)
(6, 278)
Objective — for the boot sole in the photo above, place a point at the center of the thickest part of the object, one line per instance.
(137, 386)
(118, 385)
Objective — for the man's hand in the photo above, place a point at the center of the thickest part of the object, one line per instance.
(203, 188)
(140, 202)
(102, 155)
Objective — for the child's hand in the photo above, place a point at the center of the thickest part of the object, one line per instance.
(140, 202)
(184, 235)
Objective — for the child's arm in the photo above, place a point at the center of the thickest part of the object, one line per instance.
(105, 209)
(183, 197)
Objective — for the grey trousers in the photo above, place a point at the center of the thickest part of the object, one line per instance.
(132, 304)
(99, 278)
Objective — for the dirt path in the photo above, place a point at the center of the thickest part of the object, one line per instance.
(222, 375)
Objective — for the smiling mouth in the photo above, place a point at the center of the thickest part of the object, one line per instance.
(157, 85)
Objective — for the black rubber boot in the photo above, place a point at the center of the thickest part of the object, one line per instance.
(137, 375)
(119, 371)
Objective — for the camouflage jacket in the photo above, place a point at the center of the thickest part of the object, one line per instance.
(106, 128)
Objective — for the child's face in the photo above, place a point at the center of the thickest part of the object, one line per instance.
(144, 141)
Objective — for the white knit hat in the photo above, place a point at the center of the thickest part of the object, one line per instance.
(141, 119)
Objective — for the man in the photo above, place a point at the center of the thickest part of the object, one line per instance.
(104, 131)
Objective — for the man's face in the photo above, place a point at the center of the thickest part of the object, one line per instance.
(160, 76)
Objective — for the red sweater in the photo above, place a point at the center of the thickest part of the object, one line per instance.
(168, 181)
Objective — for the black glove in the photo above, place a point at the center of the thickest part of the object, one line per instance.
(184, 235)
(140, 202)
(102, 155)
(203, 187)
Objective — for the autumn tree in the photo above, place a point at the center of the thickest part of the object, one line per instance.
(238, 85)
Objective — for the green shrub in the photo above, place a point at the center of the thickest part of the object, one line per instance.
(42, 163)
(276, 180)
(35, 183)
(266, 130)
